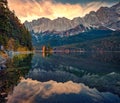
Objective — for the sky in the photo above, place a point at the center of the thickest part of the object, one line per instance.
(52, 9)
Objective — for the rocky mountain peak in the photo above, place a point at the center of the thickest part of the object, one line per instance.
(116, 5)
(105, 16)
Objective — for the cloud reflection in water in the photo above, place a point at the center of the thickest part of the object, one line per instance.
(32, 91)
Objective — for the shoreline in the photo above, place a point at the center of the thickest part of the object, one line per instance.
(4, 55)
(7, 54)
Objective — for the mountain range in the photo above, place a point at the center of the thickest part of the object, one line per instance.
(103, 18)
(98, 30)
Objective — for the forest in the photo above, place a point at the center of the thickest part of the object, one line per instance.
(13, 34)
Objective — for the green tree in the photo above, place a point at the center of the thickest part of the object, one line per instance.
(10, 27)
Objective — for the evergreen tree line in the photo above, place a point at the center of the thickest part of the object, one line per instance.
(12, 30)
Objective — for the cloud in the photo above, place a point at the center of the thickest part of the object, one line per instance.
(32, 91)
(85, 1)
(29, 10)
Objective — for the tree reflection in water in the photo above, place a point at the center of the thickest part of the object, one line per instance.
(16, 67)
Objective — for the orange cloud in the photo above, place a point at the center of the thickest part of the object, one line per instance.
(28, 91)
(29, 10)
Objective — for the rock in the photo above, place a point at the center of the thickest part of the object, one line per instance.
(108, 17)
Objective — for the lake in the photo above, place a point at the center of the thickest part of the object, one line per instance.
(77, 77)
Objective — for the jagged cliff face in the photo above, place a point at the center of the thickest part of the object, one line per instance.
(108, 17)
(59, 24)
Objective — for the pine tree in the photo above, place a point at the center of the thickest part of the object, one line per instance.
(10, 27)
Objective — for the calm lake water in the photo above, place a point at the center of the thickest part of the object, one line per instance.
(88, 77)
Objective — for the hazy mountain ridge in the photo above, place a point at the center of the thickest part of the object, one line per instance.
(106, 17)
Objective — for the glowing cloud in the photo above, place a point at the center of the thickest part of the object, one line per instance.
(29, 10)
(32, 91)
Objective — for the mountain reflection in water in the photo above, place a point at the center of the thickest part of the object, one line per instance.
(62, 78)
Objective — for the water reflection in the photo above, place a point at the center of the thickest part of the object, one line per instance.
(32, 91)
(16, 67)
(62, 75)
(99, 70)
